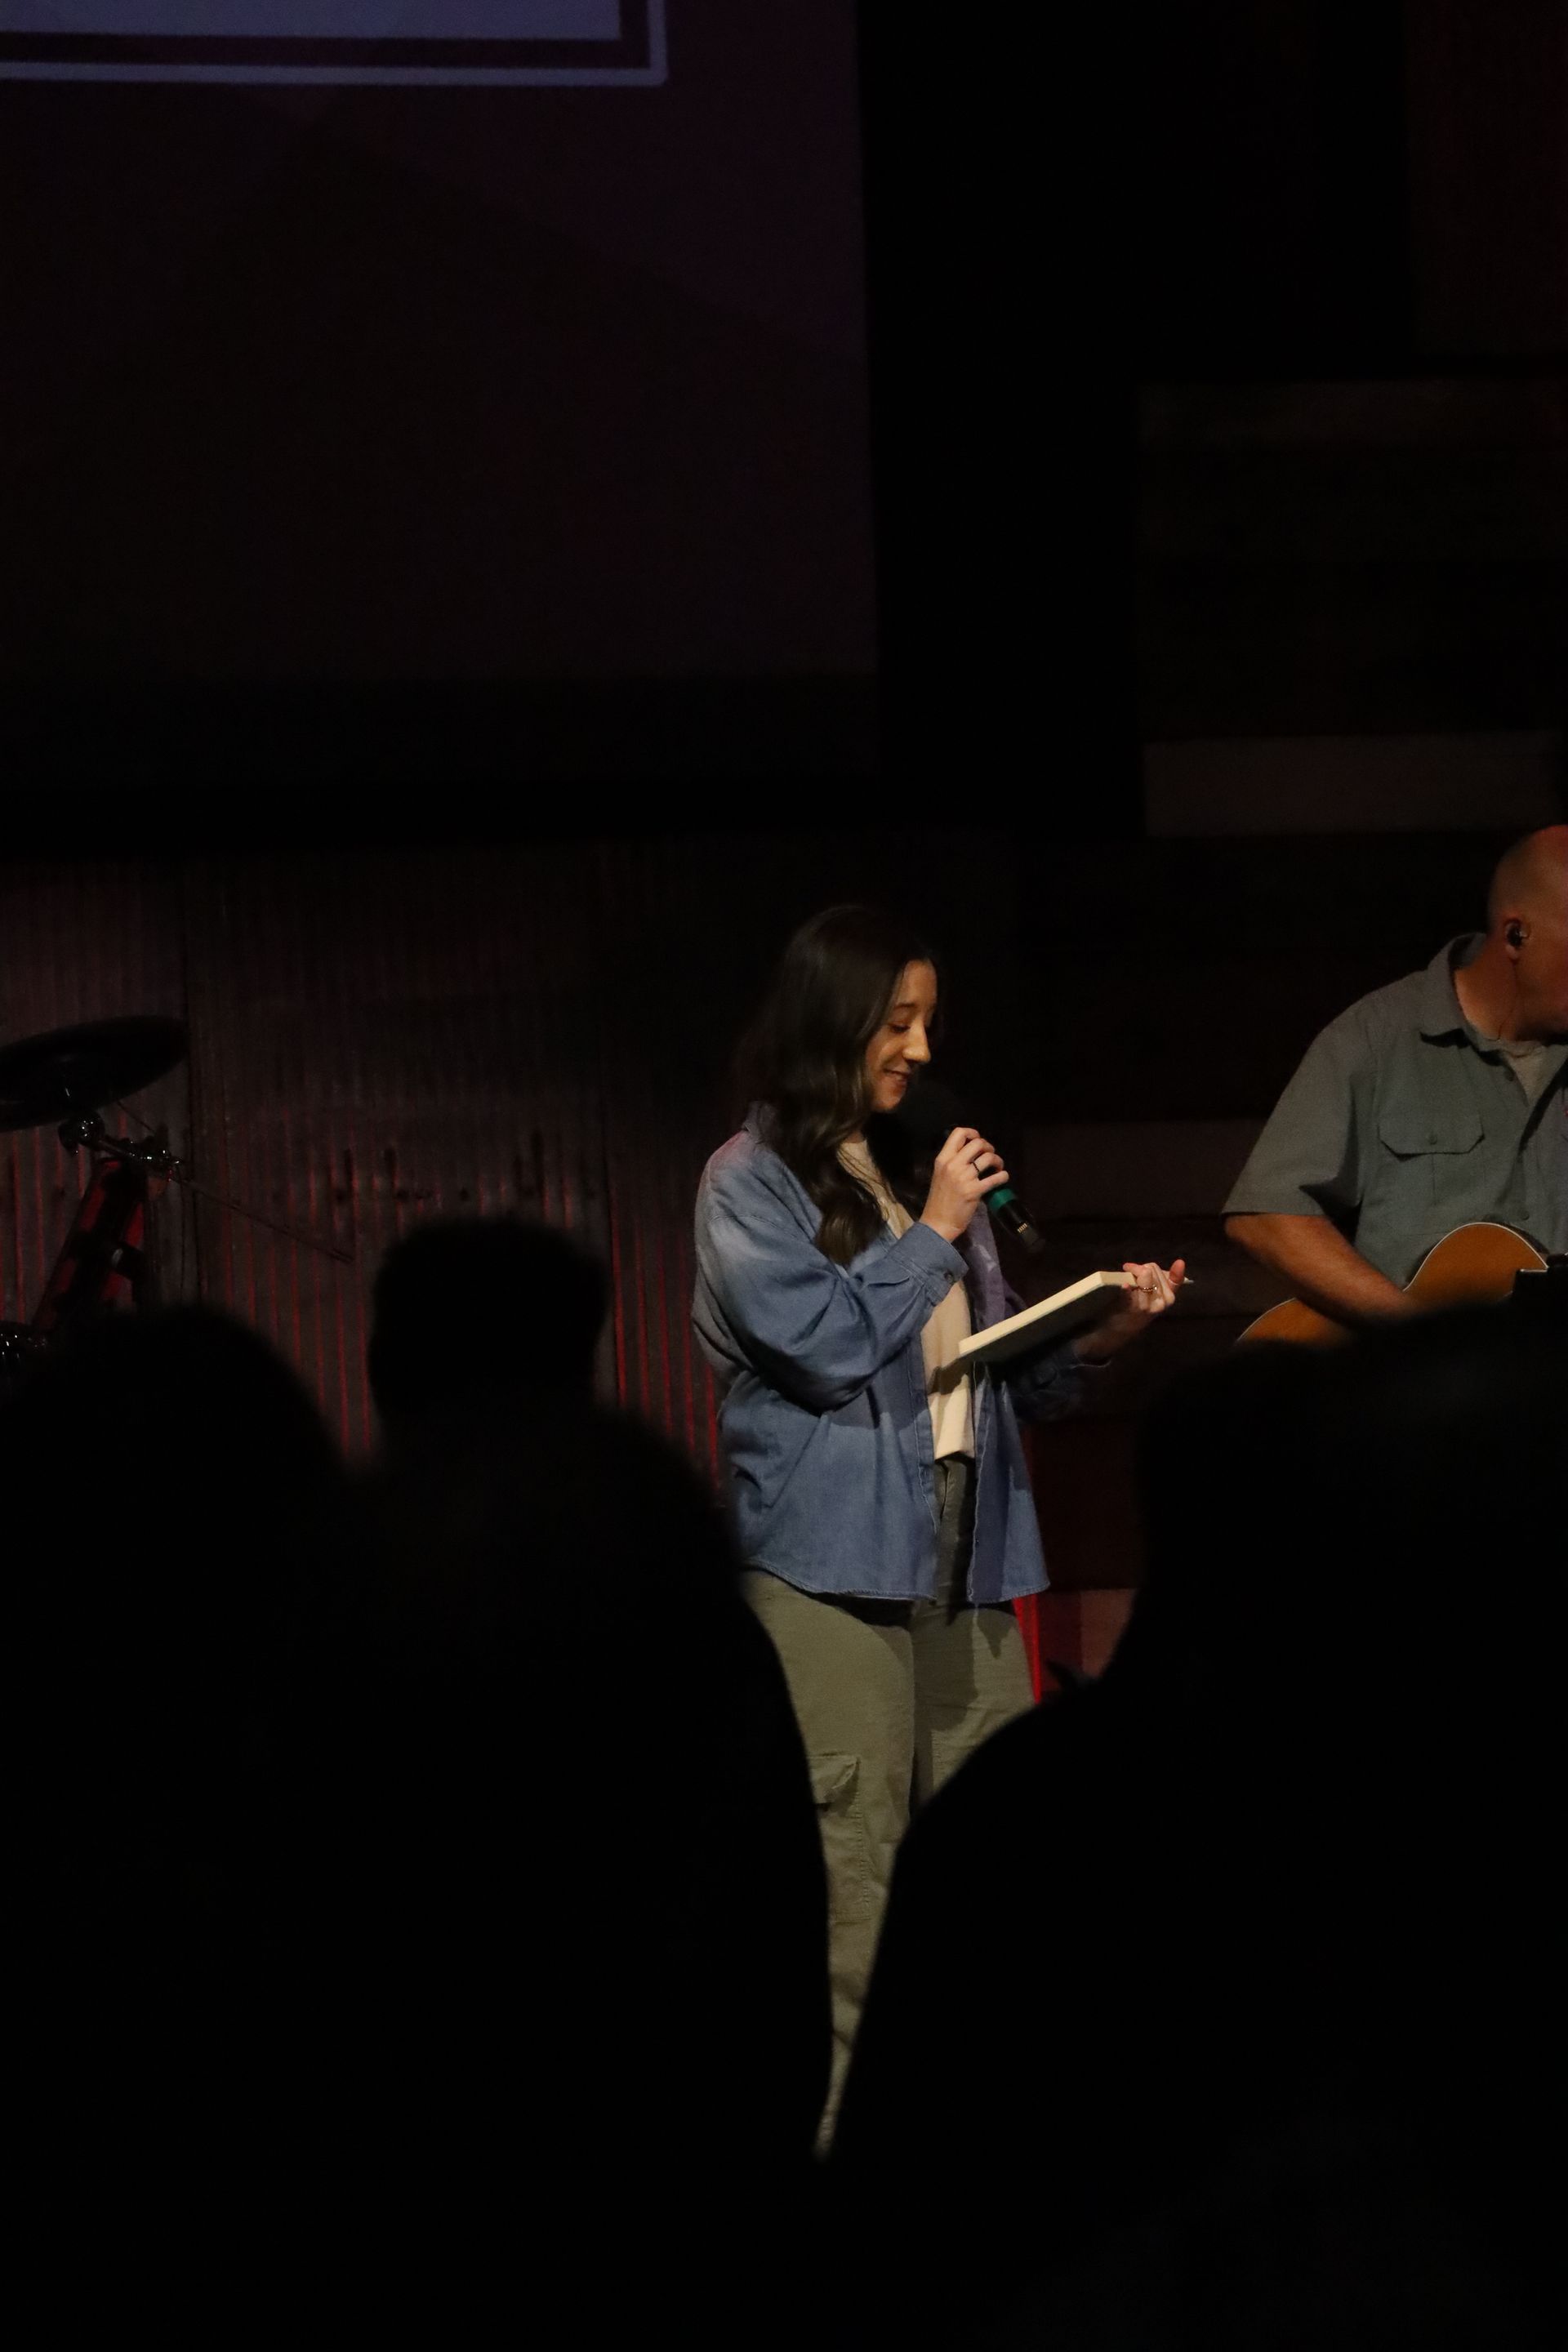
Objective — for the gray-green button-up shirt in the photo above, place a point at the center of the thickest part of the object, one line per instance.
(1403, 1122)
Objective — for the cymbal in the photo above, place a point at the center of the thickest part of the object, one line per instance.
(64, 1071)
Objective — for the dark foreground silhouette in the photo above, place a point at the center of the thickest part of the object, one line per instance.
(422, 1896)
(1283, 1882)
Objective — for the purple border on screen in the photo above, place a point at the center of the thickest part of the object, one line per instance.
(638, 56)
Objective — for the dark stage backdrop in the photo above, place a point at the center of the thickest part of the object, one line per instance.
(548, 381)
(373, 1042)
(544, 1029)
(547, 1028)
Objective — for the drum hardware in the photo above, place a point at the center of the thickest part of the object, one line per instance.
(65, 1078)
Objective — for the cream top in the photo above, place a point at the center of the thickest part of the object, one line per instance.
(948, 1389)
(1526, 1058)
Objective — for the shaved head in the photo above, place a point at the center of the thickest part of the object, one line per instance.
(1531, 879)
(1521, 975)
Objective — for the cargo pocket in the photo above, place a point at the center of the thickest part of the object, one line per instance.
(834, 1785)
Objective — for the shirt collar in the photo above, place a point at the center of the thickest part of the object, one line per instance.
(1441, 1014)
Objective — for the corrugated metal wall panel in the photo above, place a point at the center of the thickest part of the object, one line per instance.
(664, 1113)
(376, 1038)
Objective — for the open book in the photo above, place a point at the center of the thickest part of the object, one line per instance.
(1046, 1324)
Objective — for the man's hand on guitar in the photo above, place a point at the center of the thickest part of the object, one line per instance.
(1475, 1264)
(1152, 1290)
(1321, 1267)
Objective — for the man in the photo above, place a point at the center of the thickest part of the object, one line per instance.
(1436, 1102)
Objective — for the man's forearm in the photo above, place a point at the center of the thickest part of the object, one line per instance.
(1314, 1257)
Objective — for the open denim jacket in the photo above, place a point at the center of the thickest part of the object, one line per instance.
(824, 1412)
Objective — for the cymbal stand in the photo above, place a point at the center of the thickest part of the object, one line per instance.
(86, 1132)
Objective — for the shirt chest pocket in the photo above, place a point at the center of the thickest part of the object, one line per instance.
(1431, 1158)
(1414, 1134)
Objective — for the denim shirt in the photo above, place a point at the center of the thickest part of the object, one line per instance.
(824, 1414)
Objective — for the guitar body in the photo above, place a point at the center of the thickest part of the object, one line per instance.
(1472, 1266)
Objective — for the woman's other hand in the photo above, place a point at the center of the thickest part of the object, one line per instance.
(1152, 1290)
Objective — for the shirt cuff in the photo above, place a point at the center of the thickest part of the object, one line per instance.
(936, 1265)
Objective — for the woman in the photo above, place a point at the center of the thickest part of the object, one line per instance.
(880, 1494)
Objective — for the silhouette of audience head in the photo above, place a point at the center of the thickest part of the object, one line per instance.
(586, 1822)
(475, 1312)
(375, 1828)
(178, 1475)
(180, 1485)
(1393, 1468)
(176, 1431)
(1231, 1481)
(1295, 1882)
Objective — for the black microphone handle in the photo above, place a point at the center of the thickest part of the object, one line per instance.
(1015, 1219)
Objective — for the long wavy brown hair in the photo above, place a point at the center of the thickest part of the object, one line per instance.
(802, 1064)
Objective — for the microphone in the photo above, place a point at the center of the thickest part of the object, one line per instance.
(928, 1113)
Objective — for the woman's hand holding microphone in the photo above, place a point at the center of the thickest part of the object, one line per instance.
(957, 1187)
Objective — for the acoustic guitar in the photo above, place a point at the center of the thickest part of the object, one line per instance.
(1472, 1266)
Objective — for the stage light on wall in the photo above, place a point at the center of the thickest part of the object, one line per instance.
(542, 42)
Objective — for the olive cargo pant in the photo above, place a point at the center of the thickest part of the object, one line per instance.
(892, 1697)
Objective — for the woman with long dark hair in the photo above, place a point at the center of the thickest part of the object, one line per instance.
(880, 1492)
